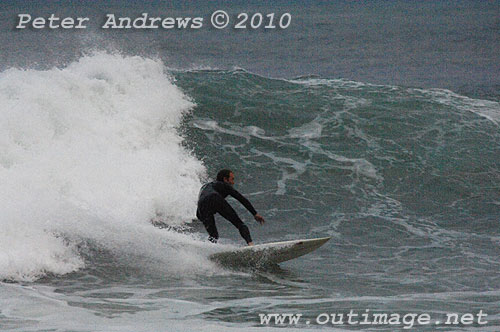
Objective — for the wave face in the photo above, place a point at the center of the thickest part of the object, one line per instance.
(400, 177)
(339, 147)
(405, 180)
(89, 152)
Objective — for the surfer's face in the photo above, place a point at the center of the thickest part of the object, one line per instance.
(230, 179)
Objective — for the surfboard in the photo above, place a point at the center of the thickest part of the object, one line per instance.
(268, 253)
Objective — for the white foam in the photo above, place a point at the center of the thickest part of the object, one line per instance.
(246, 132)
(89, 151)
(309, 130)
(485, 108)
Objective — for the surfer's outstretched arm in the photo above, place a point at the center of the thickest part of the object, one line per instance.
(242, 199)
(246, 203)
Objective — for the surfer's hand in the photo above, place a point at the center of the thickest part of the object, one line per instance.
(259, 218)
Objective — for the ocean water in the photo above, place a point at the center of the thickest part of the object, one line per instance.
(375, 123)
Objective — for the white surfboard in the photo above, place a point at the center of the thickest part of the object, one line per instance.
(268, 253)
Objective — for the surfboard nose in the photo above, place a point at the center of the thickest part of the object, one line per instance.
(313, 244)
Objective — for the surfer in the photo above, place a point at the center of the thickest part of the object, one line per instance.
(212, 199)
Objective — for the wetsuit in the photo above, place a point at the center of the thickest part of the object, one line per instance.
(212, 200)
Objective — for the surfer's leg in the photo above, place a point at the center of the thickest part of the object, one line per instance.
(228, 212)
(205, 214)
(209, 223)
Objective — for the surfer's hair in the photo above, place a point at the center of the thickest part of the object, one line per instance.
(223, 173)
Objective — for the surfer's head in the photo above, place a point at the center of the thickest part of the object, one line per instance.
(226, 175)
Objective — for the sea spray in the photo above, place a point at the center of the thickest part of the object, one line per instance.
(90, 151)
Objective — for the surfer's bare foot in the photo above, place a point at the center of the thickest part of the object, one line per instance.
(250, 243)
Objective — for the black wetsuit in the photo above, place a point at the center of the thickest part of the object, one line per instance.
(212, 200)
